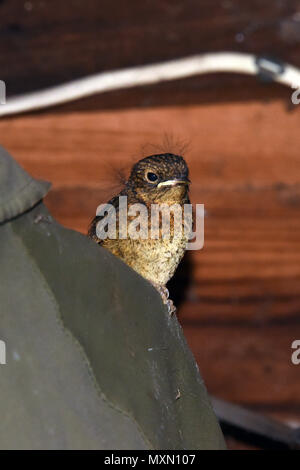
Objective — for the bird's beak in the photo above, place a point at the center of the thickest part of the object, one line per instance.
(173, 182)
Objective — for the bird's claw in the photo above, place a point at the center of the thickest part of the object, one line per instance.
(164, 293)
(171, 307)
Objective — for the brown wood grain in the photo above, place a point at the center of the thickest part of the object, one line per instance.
(250, 364)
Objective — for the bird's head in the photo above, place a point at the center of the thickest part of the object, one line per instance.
(160, 178)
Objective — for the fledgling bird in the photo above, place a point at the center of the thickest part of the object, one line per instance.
(157, 179)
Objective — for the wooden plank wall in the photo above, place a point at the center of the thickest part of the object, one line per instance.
(239, 297)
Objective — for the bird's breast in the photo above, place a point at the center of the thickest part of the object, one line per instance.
(156, 256)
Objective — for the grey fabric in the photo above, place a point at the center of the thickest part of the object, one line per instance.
(93, 358)
(18, 191)
(49, 398)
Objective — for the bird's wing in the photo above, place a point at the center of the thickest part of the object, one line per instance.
(92, 231)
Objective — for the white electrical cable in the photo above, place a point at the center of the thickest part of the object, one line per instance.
(150, 74)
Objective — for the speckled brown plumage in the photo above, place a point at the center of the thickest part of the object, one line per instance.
(154, 259)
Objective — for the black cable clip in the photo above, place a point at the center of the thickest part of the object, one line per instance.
(268, 68)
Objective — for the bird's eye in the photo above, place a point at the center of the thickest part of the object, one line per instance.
(152, 177)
